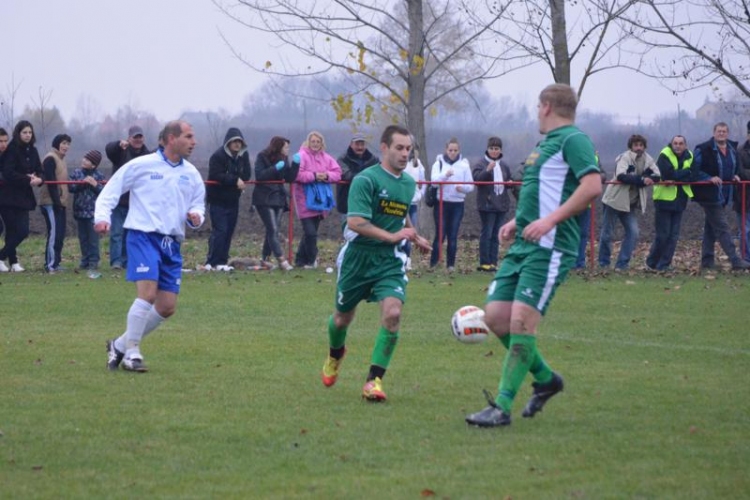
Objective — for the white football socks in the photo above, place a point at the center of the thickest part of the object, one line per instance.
(142, 318)
(136, 325)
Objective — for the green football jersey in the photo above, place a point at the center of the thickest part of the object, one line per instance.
(383, 199)
(551, 174)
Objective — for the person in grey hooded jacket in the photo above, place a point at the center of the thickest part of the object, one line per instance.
(229, 169)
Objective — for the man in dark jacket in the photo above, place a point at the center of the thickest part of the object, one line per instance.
(229, 169)
(743, 170)
(356, 159)
(715, 163)
(119, 153)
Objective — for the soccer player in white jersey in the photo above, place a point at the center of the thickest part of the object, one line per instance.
(561, 178)
(166, 191)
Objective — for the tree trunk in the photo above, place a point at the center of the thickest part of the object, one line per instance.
(560, 41)
(416, 80)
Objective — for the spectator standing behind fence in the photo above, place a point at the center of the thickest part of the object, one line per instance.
(635, 171)
(53, 200)
(167, 192)
(270, 198)
(119, 153)
(715, 164)
(90, 184)
(356, 159)
(493, 201)
(415, 169)
(22, 171)
(743, 171)
(450, 166)
(670, 200)
(3, 146)
(229, 168)
(317, 171)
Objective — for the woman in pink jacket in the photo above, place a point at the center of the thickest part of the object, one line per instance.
(315, 166)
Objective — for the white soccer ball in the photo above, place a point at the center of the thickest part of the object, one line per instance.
(468, 325)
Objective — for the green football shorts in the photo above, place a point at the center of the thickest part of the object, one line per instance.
(530, 276)
(370, 274)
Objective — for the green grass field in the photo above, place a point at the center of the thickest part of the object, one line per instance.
(656, 403)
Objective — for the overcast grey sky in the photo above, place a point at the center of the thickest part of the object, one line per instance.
(166, 56)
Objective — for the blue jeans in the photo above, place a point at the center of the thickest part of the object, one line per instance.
(667, 233)
(629, 221)
(271, 217)
(584, 226)
(488, 237)
(88, 239)
(716, 228)
(746, 253)
(414, 217)
(223, 222)
(118, 254)
(453, 212)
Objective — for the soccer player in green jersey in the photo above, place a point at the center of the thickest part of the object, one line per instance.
(561, 178)
(372, 262)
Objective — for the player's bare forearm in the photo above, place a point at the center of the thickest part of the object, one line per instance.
(366, 228)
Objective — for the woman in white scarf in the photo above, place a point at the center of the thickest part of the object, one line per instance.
(493, 201)
(453, 168)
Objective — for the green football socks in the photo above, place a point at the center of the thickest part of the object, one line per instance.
(539, 368)
(518, 361)
(336, 336)
(385, 344)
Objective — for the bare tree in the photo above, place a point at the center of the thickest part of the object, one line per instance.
(548, 32)
(694, 43)
(8, 104)
(218, 124)
(45, 115)
(403, 58)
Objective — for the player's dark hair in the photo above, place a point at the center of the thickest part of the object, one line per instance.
(390, 131)
(173, 128)
(3, 132)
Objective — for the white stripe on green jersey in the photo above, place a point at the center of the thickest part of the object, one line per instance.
(551, 173)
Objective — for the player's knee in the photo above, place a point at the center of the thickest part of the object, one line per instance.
(392, 319)
(342, 320)
(520, 325)
(498, 324)
(165, 310)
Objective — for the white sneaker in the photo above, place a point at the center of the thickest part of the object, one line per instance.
(4, 267)
(285, 265)
(16, 268)
(224, 267)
